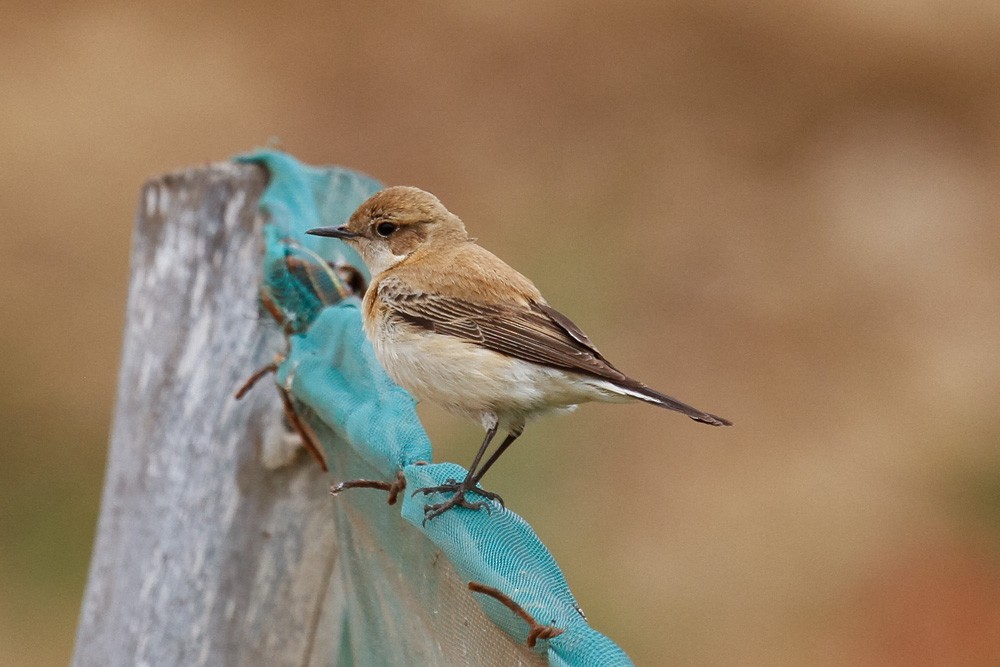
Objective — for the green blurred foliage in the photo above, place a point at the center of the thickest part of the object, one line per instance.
(783, 212)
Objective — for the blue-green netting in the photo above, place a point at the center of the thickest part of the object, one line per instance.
(332, 371)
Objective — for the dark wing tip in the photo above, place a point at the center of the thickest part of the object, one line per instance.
(711, 420)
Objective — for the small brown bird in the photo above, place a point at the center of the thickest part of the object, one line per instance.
(454, 325)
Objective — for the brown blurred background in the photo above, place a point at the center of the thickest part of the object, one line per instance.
(783, 212)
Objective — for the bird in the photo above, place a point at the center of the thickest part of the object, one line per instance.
(454, 325)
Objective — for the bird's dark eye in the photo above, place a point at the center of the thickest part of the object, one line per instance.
(385, 228)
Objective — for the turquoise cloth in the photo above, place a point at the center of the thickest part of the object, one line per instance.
(331, 369)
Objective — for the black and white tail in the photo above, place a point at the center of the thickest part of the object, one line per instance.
(644, 393)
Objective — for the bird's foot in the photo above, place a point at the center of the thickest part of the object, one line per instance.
(459, 489)
(393, 487)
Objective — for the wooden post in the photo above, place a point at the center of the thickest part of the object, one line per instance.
(204, 556)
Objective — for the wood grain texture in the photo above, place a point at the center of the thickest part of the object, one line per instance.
(204, 556)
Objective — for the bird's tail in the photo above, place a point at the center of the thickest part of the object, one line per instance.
(644, 393)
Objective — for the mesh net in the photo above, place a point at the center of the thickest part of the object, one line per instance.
(402, 583)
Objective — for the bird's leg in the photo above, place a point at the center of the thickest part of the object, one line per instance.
(491, 432)
(471, 482)
(511, 437)
(459, 489)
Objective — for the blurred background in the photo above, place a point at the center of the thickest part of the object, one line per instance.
(783, 212)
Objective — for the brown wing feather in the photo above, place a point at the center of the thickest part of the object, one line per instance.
(533, 332)
(536, 333)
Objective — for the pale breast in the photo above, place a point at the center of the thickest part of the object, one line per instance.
(468, 380)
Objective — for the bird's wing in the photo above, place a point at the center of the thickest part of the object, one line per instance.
(534, 332)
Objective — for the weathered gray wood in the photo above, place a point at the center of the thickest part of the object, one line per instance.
(204, 556)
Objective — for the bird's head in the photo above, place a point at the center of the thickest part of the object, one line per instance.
(395, 223)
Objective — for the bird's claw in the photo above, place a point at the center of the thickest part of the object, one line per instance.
(450, 485)
(458, 500)
(459, 490)
(489, 495)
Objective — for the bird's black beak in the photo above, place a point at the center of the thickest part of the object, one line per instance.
(341, 232)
